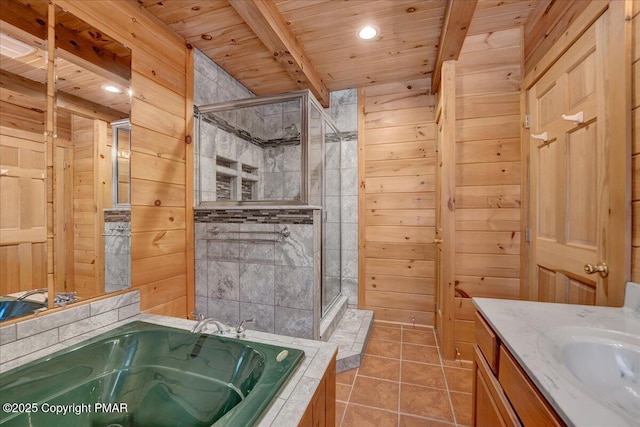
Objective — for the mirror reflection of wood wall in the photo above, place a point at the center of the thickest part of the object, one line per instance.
(23, 234)
(52, 221)
(94, 70)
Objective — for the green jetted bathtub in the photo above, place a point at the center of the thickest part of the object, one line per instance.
(142, 374)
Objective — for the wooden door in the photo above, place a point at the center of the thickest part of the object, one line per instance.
(445, 210)
(23, 234)
(574, 223)
(440, 294)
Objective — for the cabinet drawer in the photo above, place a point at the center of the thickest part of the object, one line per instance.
(487, 341)
(527, 401)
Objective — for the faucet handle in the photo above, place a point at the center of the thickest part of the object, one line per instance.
(198, 316)
(240, 328)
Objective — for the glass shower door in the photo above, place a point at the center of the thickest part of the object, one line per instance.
(332, 245)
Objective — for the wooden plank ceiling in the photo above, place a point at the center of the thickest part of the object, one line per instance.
(87, 60)
(325, 33)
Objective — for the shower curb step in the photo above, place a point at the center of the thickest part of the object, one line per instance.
(351, 336)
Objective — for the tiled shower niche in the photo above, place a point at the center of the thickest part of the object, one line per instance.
(251, 153)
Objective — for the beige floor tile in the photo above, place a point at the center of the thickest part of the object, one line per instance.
(425, 402)
(423, 374)
(384, 348)
(380, 367)
(420, 353)
(361, 416)
(459, 379)
(346, 377)
(342, 392)
(462, 406)
(385, 333)
(412, 421)
(340, 408)
(375, 393)
(416, 336)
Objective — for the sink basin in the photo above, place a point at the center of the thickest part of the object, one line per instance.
(605, 364)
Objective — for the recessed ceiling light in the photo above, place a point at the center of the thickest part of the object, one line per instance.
(367, 33)
(112, 89)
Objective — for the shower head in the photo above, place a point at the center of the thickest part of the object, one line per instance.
(291, 130)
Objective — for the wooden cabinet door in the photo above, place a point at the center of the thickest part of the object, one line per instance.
(577, 218)
(490, 405)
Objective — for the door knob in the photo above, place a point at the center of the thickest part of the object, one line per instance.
(437, 241)
(601, 268)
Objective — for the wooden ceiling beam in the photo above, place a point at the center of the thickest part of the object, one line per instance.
(457, 19)
(72, 47)
(269, 25)
(65, 101)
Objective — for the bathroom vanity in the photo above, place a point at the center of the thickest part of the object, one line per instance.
(545, 364)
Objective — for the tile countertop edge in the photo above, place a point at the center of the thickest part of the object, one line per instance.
(520, 324)
(318, 356)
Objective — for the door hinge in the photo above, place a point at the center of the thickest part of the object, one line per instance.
(527, 235)
(527, 121)
(437, 146)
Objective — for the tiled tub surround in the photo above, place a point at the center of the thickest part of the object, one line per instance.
(30, 339)
(117, 250)
(522, 327)
(290, 405)
(273, 279)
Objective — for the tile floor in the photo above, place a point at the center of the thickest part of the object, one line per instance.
(403, 382)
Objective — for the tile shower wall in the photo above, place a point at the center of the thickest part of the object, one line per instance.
(216, 143)
(276, 283)
(117, 250)
(344, 113)
(278, 168)
(212, 84)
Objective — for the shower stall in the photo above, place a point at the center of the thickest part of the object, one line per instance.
(267, 191)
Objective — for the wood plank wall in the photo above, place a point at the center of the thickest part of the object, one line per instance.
(160, 202)
(635, 120)
(397, 214)
(488, 75)
(546, 24)
(84, 217)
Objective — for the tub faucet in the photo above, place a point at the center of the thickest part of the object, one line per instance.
(64, 298)
(32, 292)
(240, 328)
(202, 321)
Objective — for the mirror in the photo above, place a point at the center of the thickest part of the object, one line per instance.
(58, 221)
(23, 187)
(91, 161)
(121, 167)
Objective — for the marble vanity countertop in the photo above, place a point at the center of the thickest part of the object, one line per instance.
(523, 325)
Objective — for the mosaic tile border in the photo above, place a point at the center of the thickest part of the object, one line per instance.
(254, 216)
(117, 215)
